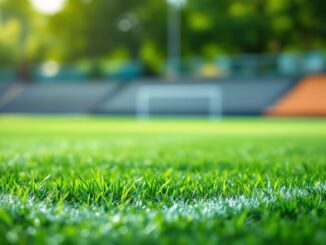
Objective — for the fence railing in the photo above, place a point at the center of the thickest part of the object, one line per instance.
(257, 65)
(244, 65)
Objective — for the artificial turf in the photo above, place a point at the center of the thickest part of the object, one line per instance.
(93, 180)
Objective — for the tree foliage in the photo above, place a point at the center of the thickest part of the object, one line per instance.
(136, 29)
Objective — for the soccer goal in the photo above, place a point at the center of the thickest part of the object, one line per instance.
(174, 95)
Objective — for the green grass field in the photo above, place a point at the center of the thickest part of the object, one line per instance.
(86, 180)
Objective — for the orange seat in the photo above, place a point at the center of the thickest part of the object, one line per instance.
(307, 98)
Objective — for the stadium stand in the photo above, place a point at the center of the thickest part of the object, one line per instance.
(307, 98)
(9, 91)
(4, 86)
(240, 97)
(58, 97)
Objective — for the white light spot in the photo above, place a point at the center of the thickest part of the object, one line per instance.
(48, 7)
(177, 3)
(124, 25)
(50, 68)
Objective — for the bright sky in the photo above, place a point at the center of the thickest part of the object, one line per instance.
(48, 6)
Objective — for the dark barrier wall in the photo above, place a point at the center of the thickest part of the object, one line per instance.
(239, 97)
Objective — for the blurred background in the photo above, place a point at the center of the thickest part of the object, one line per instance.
(163, 57)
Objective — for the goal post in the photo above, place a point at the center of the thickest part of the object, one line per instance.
(147, 93)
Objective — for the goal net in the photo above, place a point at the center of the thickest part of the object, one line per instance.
(179, 100)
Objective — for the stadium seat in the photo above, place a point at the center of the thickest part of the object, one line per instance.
(307, 98)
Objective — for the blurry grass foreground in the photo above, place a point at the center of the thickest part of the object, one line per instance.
(98, 180)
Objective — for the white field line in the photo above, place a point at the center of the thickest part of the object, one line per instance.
(196, 210)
